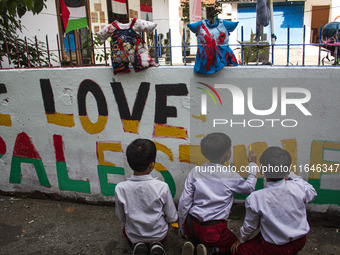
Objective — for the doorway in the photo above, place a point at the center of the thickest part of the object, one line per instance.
(320, 16)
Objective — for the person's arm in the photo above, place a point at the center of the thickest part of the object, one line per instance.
(248, 186)
(250, 224)
(119, 207)
(169, 208)
(310, 192)
(185, 203)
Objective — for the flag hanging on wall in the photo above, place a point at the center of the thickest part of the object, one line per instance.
(146, 9)
(196, 10)
(73, 14)
(119, 6)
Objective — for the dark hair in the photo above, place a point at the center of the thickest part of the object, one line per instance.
(215, 145)
(276, 157)
(140, 153)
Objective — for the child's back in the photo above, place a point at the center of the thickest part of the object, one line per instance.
(279, 209)
(213, 191)
(144, 203)
(282, 209)
(147, 208)
(207, 197)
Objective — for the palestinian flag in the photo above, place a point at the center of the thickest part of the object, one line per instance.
(119, 6)
(73, 14)
(146, 9)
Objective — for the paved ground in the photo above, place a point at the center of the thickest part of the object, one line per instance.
(43, 226)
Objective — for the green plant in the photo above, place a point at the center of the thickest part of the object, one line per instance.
(98, 46)
(251, 49)
(20, 52)
(330, 59)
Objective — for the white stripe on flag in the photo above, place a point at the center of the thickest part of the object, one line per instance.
(77, 12)
(146, 16)
(118, 7)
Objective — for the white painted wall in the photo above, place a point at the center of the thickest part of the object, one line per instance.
(335, 10)
(176, 34)
(231, 8)
(24, 103)
(161, 14)
(193, 38)
(45, 23)
(40, 25)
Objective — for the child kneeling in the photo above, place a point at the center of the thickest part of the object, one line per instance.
(279, 209)
(144, 203)
(207, 197)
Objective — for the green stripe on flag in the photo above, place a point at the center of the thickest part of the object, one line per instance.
(74, 24)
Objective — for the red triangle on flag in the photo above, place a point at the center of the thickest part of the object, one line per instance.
(65, 13)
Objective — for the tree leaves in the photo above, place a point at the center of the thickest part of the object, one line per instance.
(37, 6)
(21, 9)
(13, 47)
(28, 4)
(11, 8)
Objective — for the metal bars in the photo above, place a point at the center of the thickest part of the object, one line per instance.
(163, 46)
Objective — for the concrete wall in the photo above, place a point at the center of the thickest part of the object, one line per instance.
(65, 131)
(335, 10)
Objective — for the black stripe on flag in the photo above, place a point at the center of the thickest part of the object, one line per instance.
(74, 3)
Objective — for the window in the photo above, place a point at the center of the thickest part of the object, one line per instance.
(75, 46)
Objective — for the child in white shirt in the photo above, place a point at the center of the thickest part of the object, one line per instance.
(278, 210)
(144, 203)
(205, 203)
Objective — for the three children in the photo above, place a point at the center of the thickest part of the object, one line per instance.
(146, 206)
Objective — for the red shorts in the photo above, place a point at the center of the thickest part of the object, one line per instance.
(211, 233)
(258, 246)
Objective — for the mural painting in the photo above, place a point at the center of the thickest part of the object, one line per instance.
(108, 168)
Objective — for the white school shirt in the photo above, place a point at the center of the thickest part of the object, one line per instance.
(279, 209)
(209, 195)
(146, 206)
